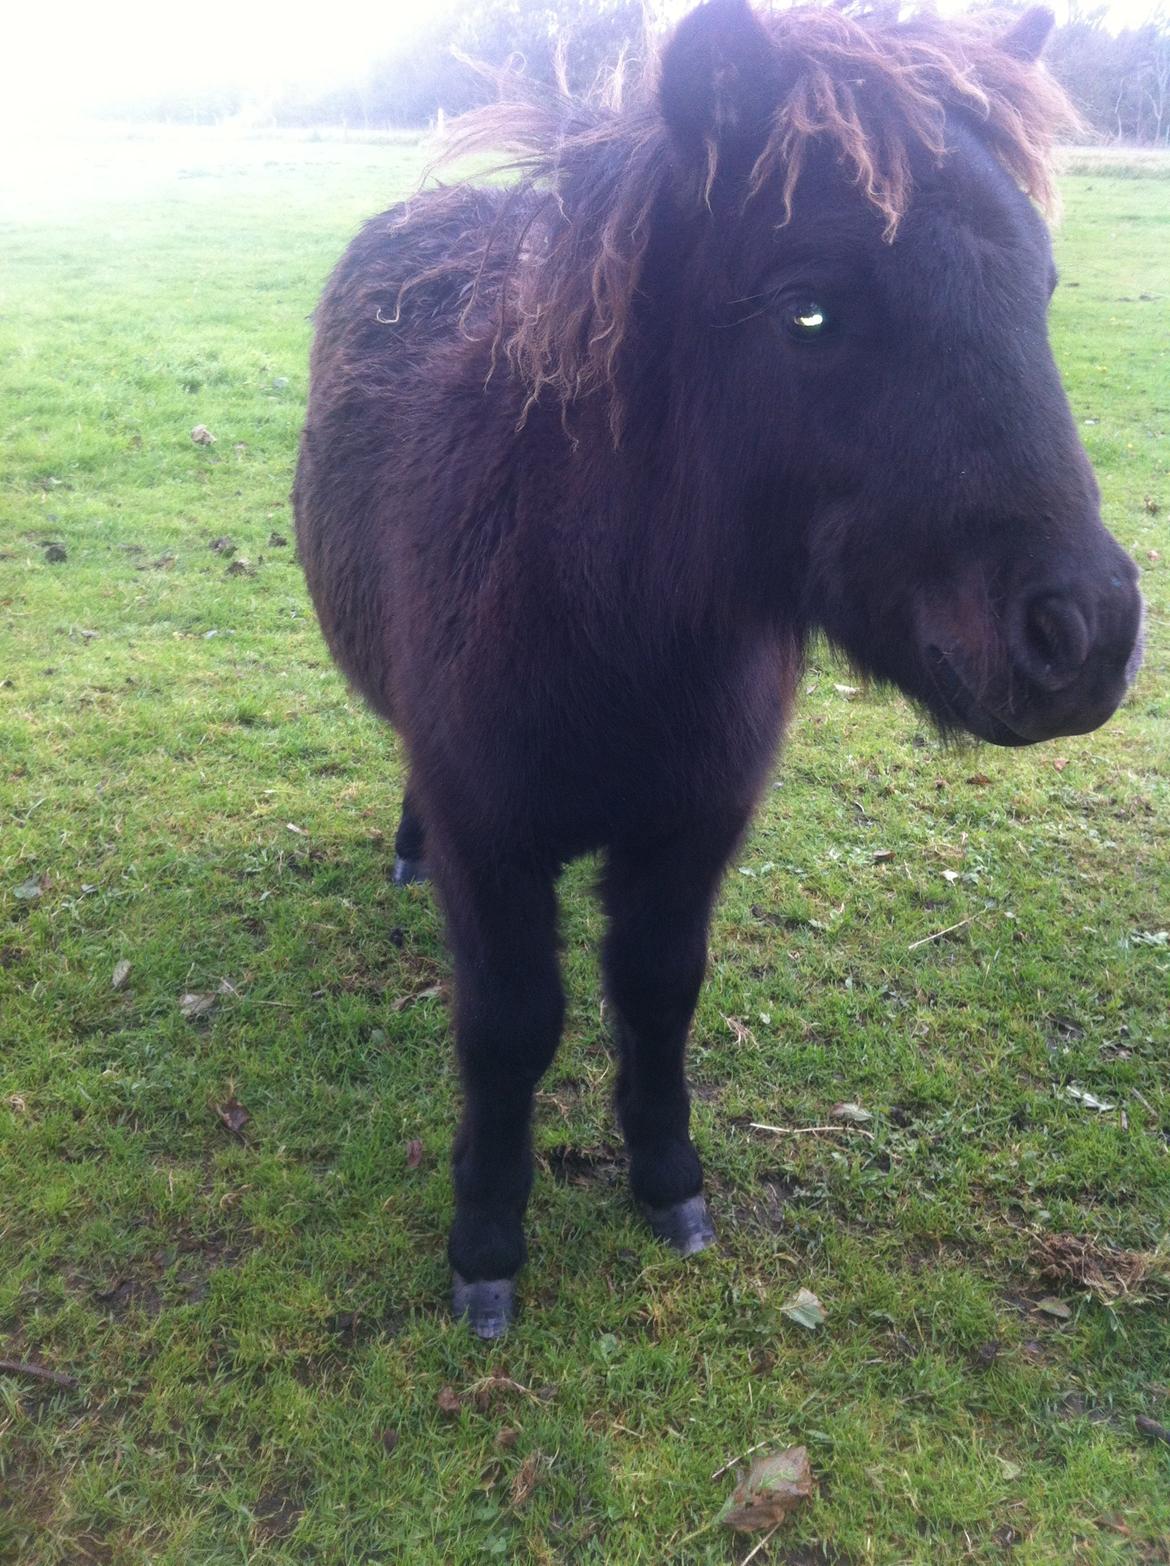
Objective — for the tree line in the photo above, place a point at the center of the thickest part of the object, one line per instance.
(1119, 81)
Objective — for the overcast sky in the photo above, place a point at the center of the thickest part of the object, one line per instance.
(79, 54)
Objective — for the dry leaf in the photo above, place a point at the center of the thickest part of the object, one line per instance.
(774, 1487)
(233, 1114)
(979, 779)
(851, 1112)
(120, 975)
(805, 1309)
(1102, 1106)
(883, 856)
(506, 1437)
(1054, 1307)
(241, 566)
(202, 436)
(449, 1401)
(1151, 1429)
(194, 1005)
(414, 1153)
(432, 992)
(1059, 763)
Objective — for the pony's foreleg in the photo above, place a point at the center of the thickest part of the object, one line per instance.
(509, 1009)
(409, 845)
(659, 901)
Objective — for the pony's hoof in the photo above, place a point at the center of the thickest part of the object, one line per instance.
(686, 1227)
(488, 1305)
(408, 871)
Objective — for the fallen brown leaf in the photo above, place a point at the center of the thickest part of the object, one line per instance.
(1059, 763)
(1152, 1430)
(774, 1487)
(202, 436)
(979, 779)
(414, 1153)
(449, 1401)
(506, 1437)
(883, 856)
(194, 1005)
(233, 1114)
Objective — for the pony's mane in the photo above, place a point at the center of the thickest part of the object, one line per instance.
(560, 267)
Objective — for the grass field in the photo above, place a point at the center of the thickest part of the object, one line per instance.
(222, 1218)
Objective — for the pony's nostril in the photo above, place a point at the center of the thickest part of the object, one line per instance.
(1055, 640)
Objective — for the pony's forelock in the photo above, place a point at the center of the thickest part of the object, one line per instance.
(588, 169)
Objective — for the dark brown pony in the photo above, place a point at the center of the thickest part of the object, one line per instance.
(752, 349)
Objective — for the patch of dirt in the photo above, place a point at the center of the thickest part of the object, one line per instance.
(707, 1092)
(276, 1513)
(176, 1274)
(127, 1294)
(815, 1555)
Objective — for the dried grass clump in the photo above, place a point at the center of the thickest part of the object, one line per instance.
(1110, 1275)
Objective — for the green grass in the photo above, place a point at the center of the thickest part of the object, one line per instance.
(256, 1322)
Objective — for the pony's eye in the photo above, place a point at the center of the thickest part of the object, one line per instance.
(807, 321)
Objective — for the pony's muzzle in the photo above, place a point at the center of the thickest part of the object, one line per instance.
(1066, 656)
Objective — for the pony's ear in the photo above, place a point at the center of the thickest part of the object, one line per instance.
(1026, 37)
(720, 79)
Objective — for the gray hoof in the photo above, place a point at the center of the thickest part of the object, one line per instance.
(408, 871)
(488, 1305)
(686, 1227)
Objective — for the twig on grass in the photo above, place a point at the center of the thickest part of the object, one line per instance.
(56, 1378)
(754, 1125)
(938, 934)
(719, 1472)
(751, 1555)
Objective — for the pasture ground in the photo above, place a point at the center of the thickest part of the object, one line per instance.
(223, 1219)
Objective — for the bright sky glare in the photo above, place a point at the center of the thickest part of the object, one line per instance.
(62, 59)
